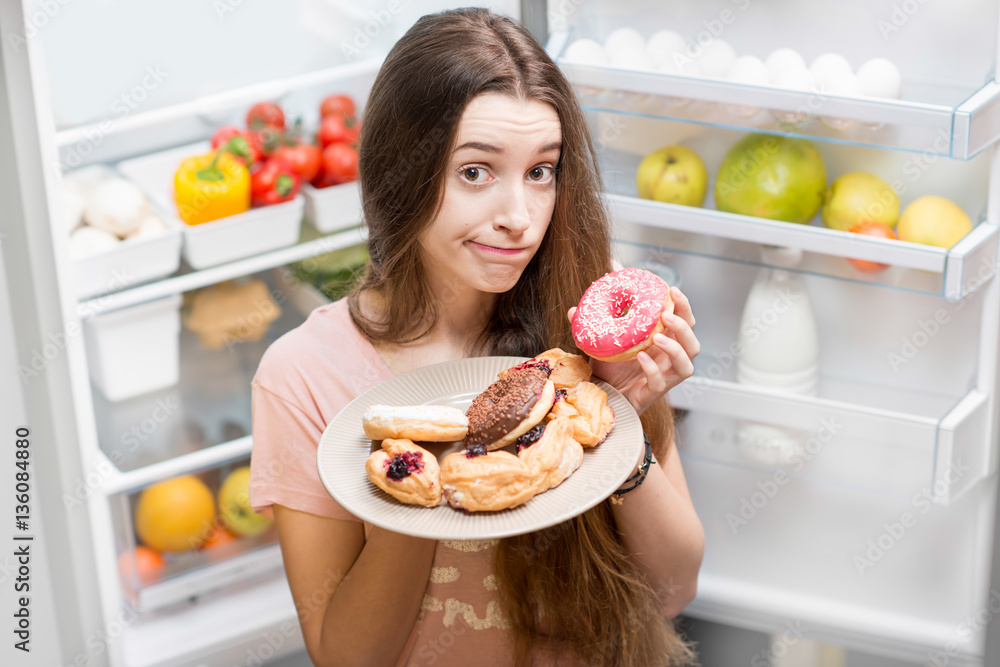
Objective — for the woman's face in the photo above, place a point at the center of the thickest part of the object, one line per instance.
(499, 193)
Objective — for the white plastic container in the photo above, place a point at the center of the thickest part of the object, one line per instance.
(135, 350)
(226, 239)
(333, 208)
(132, 261)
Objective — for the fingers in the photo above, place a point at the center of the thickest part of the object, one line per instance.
(682, 307)
(680, 331)
(675, 359)
(569, 315)
(655, 381)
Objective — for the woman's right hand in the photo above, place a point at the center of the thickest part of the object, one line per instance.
(357, 599)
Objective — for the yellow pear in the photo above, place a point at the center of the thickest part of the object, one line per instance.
(933, 220)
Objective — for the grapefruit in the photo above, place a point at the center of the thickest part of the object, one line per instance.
(175, 515)
(779, 178)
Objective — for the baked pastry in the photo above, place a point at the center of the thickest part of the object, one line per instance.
(510, 406)
(586, 407)
(479, 481)
(406, 471)
(231, 311)
(568, 370)
(554, 456)
(426, 423)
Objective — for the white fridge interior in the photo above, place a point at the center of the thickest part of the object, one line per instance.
(880, 540)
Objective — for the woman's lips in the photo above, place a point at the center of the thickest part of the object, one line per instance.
(495, 250)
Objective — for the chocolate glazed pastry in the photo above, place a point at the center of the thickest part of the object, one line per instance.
(510, 406)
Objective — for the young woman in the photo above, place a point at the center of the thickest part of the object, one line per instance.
(483, 203)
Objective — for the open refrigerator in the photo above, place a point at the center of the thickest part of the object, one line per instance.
(880, 538)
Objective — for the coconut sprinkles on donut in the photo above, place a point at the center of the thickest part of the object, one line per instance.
(620, 313)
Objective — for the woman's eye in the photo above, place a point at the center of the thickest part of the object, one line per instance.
(472, 174)
(540, 173)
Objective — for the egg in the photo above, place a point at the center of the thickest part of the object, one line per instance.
(632, 57)
(829, 65)
(716, 58)
(664, 44)
(845, 84)
(879, 77)
(782, 60)
(586, 51)
(793, 78)
(623, 38)
(748, 69)
(151, 225)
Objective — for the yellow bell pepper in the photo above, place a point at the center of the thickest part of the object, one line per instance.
(212, 186)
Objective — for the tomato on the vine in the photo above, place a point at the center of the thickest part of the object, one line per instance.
(340, 165)
(237, 142)
(333, 129)
(266, 114)
(338, 105)
(304, 159)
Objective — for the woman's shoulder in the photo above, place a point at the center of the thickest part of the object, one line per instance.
(326, 352)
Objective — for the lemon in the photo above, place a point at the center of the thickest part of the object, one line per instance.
(933, 220)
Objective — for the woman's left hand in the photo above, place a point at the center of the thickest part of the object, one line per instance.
(660, 367)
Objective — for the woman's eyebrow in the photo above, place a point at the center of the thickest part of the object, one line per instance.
(490, 148)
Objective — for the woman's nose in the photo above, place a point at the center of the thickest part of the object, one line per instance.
(514, 217)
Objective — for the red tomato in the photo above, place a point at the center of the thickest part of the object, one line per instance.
(871, 228)
(333, 129)
(340, 165)
(273, 182)
(238, 143)
(337, 105)
(218, 537)
(265, 114)
(304, 159)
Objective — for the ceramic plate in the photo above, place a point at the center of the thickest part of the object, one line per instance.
(344, 448)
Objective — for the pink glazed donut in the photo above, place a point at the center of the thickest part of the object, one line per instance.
(620, 313)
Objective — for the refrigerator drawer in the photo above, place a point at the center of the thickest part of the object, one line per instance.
(936, 456)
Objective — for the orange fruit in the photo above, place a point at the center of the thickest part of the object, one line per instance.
(218, 537)
(148, 563)
(871, 228)
(175, 515)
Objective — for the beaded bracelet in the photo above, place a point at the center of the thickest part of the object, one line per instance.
(639, 477)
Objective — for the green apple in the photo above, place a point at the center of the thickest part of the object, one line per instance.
(234, 505)
(675, 175)
(933, 221)
(859, 197)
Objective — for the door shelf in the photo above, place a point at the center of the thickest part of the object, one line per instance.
(936, 447)
(960, 131)
(205, 419)
(952, 273)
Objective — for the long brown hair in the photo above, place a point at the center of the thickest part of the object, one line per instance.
(580, 590)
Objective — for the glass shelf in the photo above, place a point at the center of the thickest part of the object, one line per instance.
(203, 420)
(960, 129)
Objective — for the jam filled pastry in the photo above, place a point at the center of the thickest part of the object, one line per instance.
(479, 481)
(406, 471)
(554, 456)
(510, 406)
(566, 370)
(425, 423)
(586, 407)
